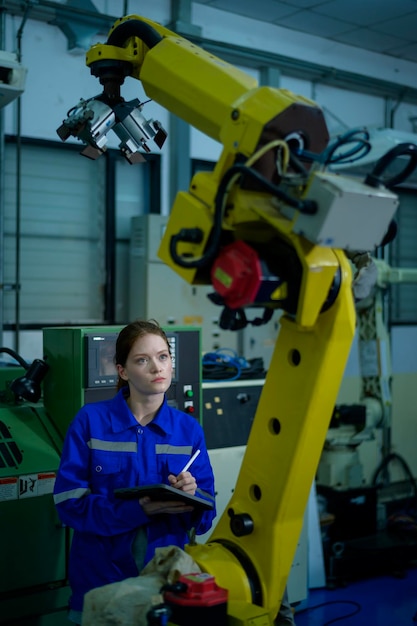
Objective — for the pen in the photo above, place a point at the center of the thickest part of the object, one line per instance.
(190, 462)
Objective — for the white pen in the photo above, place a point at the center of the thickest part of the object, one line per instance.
(190, 462)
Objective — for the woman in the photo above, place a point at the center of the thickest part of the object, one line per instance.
(133, 439)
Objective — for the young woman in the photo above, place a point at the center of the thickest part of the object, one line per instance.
(134, 439)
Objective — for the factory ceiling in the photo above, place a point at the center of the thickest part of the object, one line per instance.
(383, 26)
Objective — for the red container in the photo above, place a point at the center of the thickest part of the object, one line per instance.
(203, 602)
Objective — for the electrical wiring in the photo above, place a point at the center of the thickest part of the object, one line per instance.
(283, 154)
(236, 319)
(233, 174)
(359, 146)
(403, 521)
(220, 365)
(359, 137)
(390, 458)
(376, 178)
(356, 605)
(225, 365)
(16, 356)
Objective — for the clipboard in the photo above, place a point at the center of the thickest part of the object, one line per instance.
(164, 492)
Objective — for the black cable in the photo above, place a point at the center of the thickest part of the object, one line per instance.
(236, 319)
(390, 234)
(357, 610)
(194, 235)
(393, 456)
(178, 587)
(16, 356)
(362, 146)
(220, 366)
(297, 166)
(304, 206)
(375, 178)
(220, 371)
(134, 28)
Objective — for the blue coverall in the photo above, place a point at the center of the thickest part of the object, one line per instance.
(105, 449)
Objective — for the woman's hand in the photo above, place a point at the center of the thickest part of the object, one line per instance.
(184, 481)
(170, 507)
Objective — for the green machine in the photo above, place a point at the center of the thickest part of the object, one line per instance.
(77, 368)
(34, 543)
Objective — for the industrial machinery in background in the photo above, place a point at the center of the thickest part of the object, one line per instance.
(370, 519)
(351, 425)
(77, 368)
(376, 517)
(267, 228)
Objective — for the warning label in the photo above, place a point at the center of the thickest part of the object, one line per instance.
(46, 483)
(28, 486)
(8, 489)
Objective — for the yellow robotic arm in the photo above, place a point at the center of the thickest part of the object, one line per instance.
(267, 229)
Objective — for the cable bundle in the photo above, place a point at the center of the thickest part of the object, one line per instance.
(226, 365)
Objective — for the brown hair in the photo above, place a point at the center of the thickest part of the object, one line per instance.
(127, 338)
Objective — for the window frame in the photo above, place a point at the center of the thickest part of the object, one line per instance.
(152, 190)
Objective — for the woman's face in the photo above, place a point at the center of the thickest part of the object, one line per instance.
(148, 368)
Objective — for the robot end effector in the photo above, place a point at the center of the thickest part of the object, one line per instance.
(91, 120)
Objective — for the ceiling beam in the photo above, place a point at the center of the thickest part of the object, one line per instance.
(51, 12)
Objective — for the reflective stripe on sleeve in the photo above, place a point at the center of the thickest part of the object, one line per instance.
(71, 494)
(166, 448)
(112, 446)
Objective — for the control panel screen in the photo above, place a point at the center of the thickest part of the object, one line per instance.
(100, 367)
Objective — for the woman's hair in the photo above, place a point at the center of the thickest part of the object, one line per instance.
(127, 338)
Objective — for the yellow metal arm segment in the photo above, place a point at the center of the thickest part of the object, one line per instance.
(180, 76)
(262, 523)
